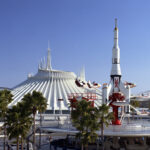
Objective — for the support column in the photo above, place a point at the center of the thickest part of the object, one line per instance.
(105, 93)
(127, 108)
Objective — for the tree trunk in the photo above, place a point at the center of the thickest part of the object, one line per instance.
(40, 130)
(40, 139)
(21, 143)
(17, 143)
(82, 147)
(40, 119)
(102, 136)
(4, 135)
(34, 132)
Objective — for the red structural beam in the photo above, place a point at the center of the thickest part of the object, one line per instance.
(90, 96)
(74, 97)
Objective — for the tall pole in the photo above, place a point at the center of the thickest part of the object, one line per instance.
(60, 106)
(48, 67)
(60, 109)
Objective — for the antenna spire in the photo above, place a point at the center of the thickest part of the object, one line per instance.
(48, 67)
(116, 22)
(116, 34)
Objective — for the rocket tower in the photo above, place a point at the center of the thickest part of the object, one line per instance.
(116, 93)
(116, 71)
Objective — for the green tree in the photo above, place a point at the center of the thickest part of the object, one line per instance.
(105, 118)
(135, 103)
(18, 123)
(25, 121)
(5, 99)
(42, 105)
(34, 102)
(85, 119)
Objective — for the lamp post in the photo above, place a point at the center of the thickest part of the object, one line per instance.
(60, 105)
(60, 110)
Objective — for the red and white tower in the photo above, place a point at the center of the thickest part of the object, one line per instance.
(116, 94)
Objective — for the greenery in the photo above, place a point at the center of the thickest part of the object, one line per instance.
(5, 99)
(134, 103)
(105, 118)
(85, 119)
(34, 102)
(88, 120)
(18, 123)
(18, 119)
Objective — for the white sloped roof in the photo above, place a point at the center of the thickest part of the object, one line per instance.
(53, 84)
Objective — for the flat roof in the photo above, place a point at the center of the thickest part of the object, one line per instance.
(125, 130)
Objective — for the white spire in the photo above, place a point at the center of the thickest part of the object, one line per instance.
(41, 64)
(115, 22)
(48, 67)
(116, 34)
(82, 74)
(44, 63)
(116, 70)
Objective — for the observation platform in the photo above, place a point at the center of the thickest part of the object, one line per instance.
(129, 128)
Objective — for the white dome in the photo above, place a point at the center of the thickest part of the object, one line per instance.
(54, 85)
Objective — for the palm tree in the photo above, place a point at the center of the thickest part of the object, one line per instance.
(5, 99)
(25, 120)
(105, 117)
(42, 105)
(34, 102)
(85, 119)
(18, 124)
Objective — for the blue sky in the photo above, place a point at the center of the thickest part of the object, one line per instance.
(80, 34)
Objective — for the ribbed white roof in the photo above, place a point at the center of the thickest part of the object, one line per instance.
(53, 84)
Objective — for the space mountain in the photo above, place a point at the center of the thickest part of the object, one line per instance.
(55, 85)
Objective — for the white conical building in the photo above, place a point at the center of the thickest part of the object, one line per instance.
(54, 85)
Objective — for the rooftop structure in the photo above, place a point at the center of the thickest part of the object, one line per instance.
(55, 85)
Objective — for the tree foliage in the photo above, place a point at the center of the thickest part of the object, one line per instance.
(105, 118)
(18, 123)
(5, 99)
(19, 118)
(85, 119)
(135, 103)
(34, 102)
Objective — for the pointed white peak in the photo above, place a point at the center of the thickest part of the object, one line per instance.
(44, 63)
(48, 66)
(82, 74)
(41, 64)
(116, 34)
(116, 23)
